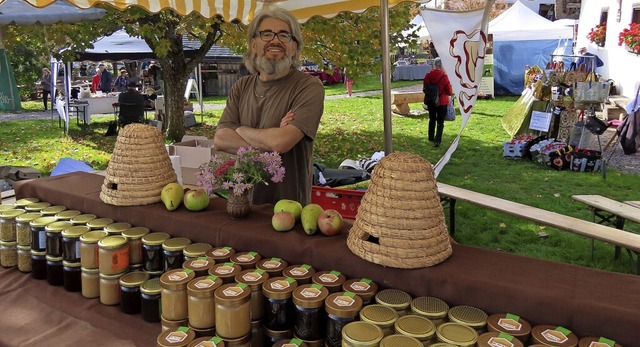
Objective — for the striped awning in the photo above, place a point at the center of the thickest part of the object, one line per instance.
(243, 10)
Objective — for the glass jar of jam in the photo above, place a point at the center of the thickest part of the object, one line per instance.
(273, 266)
(271, 337)
(432, 308)
(152, 255)
(71, 276)
(246, 260)
(8, 224)
(38, 265)
(201, 303)
(254, 278)
(342, 308)
(39, 234)
(396, 299)
(301, 273)
(150, 294)
(363, 287)
(71, 243)
(207, 341)
(233, 317)
(226, 271)
(200, 265)
(90, 280)
(172, 251)
(279, 308)
(135, 235)
(382, 316)
(113, 255)
(180, 337)
(52, 211)
(82, 219)
(54, 271)
(99, 223)
(332, 280)
(417, 327)
(8, 253)
(220, 254)
(130, 291)
(291, 342)
(110, 289)
(174, 293)
(37, 206)
(23, 230)
(361, 334)
(310, 316)
(54, 237)
(67, 215)
(117, 228)
(22, 203)
(195, 250)
(89, 248)
(24, 258)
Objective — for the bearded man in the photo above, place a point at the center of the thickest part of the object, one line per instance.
(276, 107)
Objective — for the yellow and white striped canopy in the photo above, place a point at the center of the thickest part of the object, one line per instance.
(243, 10)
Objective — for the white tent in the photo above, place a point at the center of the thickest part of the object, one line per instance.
(419, 29)
(520, 23)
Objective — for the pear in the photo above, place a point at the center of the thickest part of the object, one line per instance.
(172, 195)
(309, 218)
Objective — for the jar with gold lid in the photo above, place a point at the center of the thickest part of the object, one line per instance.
(200, 302)
(310, 321)
(196, 250)
(271, 337)
(301, 273)
(8, 224)
(511, 324)
(23, 230)
(113, 255)
(82, 219)
(173, 252)
(39, 234)
(291, 343)
(361, 334)
(208, 332)
(396, 299)
(254, 278)
(207, 341)
(246, 260)
(226, 271)
(130, 291)
(117, 228)
(110, 289)
(71, 242)
(430, 307)
(233, 317)
(180, 337)
(89, 248)
(8, 207)
(90, 281)
(174, 293)
(173, 324)
(456, 334)
(152, 256)
(8, 253)
(52, 211)
(332, 280)
(469, 315)
(273, 266)
(72, 276)
(597, 342)
(37, 206)
(418, 327)
(398, 340)
(257, 333)
(54, 271)
(342, 308)
(556, 336)
(38, 265)
(24, 258)
(150, 294)
(279, 309)
(244, 341)
(220, 254)
(442, 344)
(22, 203)
(99, 223)
(382, 316)
(67, 215)
(54, 237)
(200, 265)
(494, 338)
(363, 287)
(134, 235)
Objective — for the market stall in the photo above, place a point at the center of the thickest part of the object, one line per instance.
(410, 72)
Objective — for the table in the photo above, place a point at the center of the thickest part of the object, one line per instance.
(82, 111)
(587, 301)
(101, 104)
(410, 72)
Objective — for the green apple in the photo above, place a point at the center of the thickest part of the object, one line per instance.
(196, 200)
(171, 196)
(309, 218)
(288, 205)
(283, 221)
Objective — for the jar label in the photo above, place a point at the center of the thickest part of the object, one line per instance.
(42, 239)
(199, 263)
(343, 300)
(271, 264)
(207, 344)
(598, 344)
(554, 336)
(224, 269)
(204, 283)
(359, 286)
(245, 258)
(252, 276)
(120, 259)
(176, 337)
(233, 291)
(310, 292)
(509, 324)
(329, 277)
(280, 284)
(299, 271)
(220, 252)
(499, 342)
(177, 276)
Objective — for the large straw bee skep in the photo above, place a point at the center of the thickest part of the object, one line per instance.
(400, 221)
(139, 168)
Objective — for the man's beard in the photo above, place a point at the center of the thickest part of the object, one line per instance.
(272, 66)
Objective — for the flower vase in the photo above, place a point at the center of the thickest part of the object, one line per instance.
(239, 206)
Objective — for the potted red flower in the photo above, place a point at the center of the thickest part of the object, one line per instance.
(630, 37)
(598, 34)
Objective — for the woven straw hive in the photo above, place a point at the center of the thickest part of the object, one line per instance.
(139, 168)
(400, 221)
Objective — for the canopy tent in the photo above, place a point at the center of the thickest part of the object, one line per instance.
(522, 37)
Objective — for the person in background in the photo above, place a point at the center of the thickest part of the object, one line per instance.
(121, 82)
(95, 82)
(105, 79)
(438, 111)
(46, 86)
(276, 108)
(131, 104)
(589, 60)
(432, 50)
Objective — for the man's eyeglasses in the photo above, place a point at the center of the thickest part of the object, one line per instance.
(268, 36)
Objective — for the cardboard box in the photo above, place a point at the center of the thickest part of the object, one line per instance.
(192, 154)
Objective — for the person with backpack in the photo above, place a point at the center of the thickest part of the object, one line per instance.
(437, 91)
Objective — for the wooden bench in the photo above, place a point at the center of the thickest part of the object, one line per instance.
(451, 194)
(616, 108)
(633, 203)
(400, 101)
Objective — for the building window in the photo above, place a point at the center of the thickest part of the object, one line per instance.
(635, 15)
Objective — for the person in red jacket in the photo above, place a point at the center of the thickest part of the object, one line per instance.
(438, 111)
(95, 82)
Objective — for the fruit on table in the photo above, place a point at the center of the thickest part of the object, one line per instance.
(196, 200)
(288, 205)
(171, 196)
(330, 222)
(283, 221)
(309, 218)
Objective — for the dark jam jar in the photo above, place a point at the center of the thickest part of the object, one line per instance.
(54, 237)
(150, 300)
(152, 257)
(311, 318)
(173, 252)
(71, 243)
(72, 276)
(130, 300)
(39, 234)
(342, 308)
(54, 271)
(279, 313)
(39, 265)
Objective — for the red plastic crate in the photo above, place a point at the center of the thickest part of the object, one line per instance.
(345, 201)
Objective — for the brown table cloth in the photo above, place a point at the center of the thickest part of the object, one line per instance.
(589, 302)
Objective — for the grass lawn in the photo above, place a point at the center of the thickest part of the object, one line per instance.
(353, 128)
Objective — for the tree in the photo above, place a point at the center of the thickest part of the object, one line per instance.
(463, 5)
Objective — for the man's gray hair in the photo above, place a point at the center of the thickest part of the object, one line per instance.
(252, 32)
(437, 63)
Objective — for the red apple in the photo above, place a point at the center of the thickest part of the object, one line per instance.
(283, 221)
(330, 222)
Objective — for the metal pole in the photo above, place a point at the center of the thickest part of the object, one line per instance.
(386, 76)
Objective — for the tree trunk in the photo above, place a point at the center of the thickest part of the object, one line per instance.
(175, 78)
